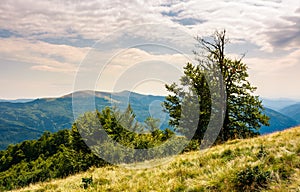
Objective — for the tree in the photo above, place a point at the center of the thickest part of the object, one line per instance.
(243, 115)
(151, 124)
(127, 120)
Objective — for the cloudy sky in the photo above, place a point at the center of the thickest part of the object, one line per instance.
(51, 47)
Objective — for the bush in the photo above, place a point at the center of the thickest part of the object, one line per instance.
(251, 179)
(262, 152)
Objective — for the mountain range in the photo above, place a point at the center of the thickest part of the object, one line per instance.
(292, 111)
(278, 104)
(26, 121)
(23, 120)
(16, 100)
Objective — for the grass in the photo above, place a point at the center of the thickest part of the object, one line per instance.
(266, 163)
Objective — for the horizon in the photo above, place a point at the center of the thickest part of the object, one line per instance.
(142, 93)
(69, 93)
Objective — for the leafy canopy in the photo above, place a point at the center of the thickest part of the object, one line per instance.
(243, 111)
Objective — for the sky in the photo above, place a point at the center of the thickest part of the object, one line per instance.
(50, 48)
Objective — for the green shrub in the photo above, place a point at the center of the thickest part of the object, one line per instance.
(227, 155)
(262, 152)
(87, 182)
(179, 188)
(193, 145)
(251, 179)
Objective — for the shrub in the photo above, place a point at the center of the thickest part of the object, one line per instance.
(86, 182)
(227, 155)
(262, 152)
(251, 179)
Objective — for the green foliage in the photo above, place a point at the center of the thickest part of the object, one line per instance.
(262, 152)
(193, 145)
(51, 156)
(57, 155)
(86, 182)
(100, 128)
(243, 115)
(251, 179)
(28, 121)
(268, 163)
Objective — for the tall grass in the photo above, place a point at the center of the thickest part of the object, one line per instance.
(266, 163)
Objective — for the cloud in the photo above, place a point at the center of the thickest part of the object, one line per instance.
(55, 35)
(243, 19)
(42, 56)
(267, 66)
(276, 77)
(57, 18)
(286, 36)
(108, 68)
(92, 20)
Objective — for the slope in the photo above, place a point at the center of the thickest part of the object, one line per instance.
(266, 163)
(292, 111)
(27, 121)
(278, 122)
(278, 104)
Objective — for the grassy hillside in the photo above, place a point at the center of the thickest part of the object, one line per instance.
(266, 163)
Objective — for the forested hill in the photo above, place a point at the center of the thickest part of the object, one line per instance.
(27, 121)
(278, 122)
(292, 111)
(63, 153)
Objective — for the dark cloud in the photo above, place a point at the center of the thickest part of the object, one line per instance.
(286, 35)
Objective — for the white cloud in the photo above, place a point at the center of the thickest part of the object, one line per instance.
(243, 19)
(269, 25)
(277, 77)
(91, 19)
(94, 19)
(42, 56)
(127, 67)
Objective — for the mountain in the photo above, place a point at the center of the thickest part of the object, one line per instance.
(266, 163)
(16, 100)
(292, 111)
(24, 121)
(278, 122)
(278, 104)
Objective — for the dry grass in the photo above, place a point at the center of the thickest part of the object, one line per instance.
(215, 169)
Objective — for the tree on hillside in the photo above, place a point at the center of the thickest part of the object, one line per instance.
(243, 114)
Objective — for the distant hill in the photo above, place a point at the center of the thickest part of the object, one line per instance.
(23, 121)
(26, 121)
(278, 104)
(278, 122)
(292, 111)
(16, 100)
